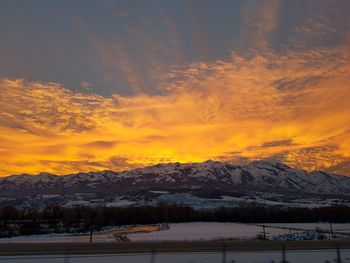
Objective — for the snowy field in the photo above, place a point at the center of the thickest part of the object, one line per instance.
(184, 232)
(316, 256)
(203, 231)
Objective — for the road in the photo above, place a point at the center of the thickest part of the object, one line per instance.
(23, 249)
(294, 256)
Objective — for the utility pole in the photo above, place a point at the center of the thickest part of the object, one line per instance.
(331, 228)
(91, 230)
(264, 232)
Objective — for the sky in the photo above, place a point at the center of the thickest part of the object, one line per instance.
(94, 85)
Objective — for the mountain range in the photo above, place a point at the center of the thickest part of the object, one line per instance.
(208, 180)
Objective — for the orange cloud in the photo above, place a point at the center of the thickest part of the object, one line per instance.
(286, 106)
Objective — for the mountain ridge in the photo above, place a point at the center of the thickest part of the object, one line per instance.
(256, 175)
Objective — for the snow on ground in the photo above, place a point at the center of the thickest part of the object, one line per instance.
(72, 203)
(118, 203)
(306, 203)
(344, 227)
(159, 192)
(302, 236)
(203, 231)
(184, 231)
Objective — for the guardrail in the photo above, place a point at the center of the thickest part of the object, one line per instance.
(68, 252)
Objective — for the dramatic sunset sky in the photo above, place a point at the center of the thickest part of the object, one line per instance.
(94, 85)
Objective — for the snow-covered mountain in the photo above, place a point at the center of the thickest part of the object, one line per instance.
(206, 177)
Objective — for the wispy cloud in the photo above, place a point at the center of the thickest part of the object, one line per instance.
(257, 106)
(260, 20)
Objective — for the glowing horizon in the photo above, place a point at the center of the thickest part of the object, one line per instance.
(288, 104)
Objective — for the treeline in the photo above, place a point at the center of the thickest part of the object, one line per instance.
(55, 218)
